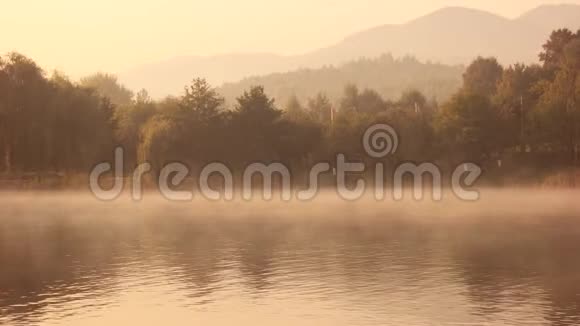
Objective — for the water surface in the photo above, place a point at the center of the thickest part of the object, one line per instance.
(511, 259)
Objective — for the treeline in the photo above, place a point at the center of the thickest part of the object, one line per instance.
(388, 76)
(49, 124)
(526, 115)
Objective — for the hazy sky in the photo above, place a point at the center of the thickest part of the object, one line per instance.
(79, 36)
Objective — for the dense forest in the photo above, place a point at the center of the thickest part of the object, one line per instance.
(388, 76)
(526, 116)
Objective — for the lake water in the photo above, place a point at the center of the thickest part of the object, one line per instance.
(512, 258)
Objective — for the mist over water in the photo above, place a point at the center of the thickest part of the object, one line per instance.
(434, 104)
(509, 259)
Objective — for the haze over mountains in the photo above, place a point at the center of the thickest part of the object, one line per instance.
(449, 36)
(388, 76)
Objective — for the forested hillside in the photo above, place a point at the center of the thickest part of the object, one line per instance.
(388, 76)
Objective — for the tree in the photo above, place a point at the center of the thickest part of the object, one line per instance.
(481, 76)
(255, 124)
(554, 48)
(202, 121)
(130, 119)
(189, 128)
(413, 100)
(412, 117)
(107, 85)
(320, 108)
(350, 99)
(23, 90)
(558, 113)
(256, 107)
(294, 111)
(142, 97)
(49, 124)
(300, 133)
(370, 102)
(515, 98)
(468, 125)
(159, 143)
(202, 101)
(5, 140)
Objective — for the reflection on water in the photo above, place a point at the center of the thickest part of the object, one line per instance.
(70, 260)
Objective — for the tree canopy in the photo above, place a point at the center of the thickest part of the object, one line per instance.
(530, 113)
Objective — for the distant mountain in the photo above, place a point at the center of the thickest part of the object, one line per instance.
(451, 35)
(547, 17)
(170, 77)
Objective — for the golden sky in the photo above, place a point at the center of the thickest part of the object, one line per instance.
(79, 36)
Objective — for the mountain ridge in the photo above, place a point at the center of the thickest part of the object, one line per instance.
(450, 35)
